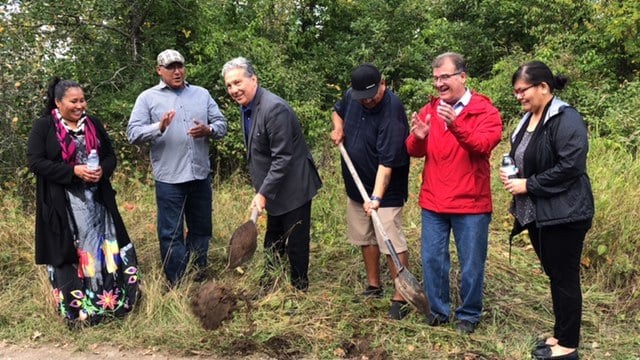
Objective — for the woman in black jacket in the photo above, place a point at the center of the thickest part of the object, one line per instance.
(552, 196)
(80, 235)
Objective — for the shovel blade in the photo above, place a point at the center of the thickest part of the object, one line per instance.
(243, 244)
(412, 292)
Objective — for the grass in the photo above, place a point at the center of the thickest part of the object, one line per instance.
(330, 321)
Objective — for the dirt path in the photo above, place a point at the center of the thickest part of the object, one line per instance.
(68, 352)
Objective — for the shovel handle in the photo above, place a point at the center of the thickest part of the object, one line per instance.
(394, 255)
(254, 215)
(354, 173)
(374, 214)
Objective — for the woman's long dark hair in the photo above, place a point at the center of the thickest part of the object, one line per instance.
(56, 90)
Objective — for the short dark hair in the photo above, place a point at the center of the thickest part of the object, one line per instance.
(536, 72)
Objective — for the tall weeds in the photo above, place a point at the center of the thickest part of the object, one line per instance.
(613, 244)
(331, 321)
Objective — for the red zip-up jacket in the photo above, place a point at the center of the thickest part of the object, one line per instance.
(456, 175)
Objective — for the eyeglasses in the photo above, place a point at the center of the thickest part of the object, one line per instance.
(520, 92)
(445, 77)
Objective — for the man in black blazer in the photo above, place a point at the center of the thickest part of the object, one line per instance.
(281, 168)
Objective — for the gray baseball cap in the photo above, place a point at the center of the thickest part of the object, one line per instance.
(170, 56)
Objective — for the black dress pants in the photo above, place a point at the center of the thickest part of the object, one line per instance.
(559, 248)
(289, 233)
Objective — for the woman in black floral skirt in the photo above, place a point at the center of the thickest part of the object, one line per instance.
(80, 235)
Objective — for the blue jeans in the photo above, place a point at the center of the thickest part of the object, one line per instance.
(188, 202)
(471, 233)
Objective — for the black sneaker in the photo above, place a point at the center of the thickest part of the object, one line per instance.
(434, 320)
(399, 309)
(372, 291)
(465, 327)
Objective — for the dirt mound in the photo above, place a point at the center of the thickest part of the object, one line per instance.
(213, 303)
(360, 349)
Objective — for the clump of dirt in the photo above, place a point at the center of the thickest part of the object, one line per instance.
(213, 303)
(360, 349)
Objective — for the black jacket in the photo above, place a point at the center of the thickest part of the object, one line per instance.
(555, 166)
(54, 236)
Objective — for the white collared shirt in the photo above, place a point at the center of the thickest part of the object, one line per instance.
(464, 101)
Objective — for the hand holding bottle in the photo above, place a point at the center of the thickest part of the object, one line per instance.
(90, 172)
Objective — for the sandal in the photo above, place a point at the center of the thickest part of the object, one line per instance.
(372, 291)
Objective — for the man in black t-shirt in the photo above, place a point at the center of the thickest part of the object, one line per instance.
(372, 124)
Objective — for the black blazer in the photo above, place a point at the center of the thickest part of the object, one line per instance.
(54, 236)
(280, 164)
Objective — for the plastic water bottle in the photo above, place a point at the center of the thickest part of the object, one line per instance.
(93, 161)
(509, 166)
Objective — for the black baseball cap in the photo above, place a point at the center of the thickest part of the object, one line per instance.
(365, 80)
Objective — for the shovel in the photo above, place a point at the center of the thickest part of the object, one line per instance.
(243, 242)
(405, 282)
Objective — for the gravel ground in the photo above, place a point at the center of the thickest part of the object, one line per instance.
(67, 351)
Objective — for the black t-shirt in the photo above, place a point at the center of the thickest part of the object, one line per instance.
(375, 137)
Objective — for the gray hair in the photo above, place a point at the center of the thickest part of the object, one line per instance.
(239, 63)
(455, 58)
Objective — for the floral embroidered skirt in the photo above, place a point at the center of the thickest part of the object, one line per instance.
(82, 303)
(105, 282)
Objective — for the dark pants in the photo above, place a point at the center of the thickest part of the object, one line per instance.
(289, 233)
(559, 249)
(188, 202)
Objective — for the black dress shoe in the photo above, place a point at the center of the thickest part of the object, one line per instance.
(540, 343)
(544, 353)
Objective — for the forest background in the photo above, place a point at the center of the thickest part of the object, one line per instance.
(304, 51)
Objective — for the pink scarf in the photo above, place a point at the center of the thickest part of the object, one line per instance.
(66, 142)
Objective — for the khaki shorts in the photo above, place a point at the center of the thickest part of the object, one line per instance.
(360, 227)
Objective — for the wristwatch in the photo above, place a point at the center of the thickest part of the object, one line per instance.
(376, 198)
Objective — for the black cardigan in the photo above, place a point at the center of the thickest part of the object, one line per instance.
(54, 237)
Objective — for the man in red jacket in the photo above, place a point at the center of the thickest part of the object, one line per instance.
(455, 133)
